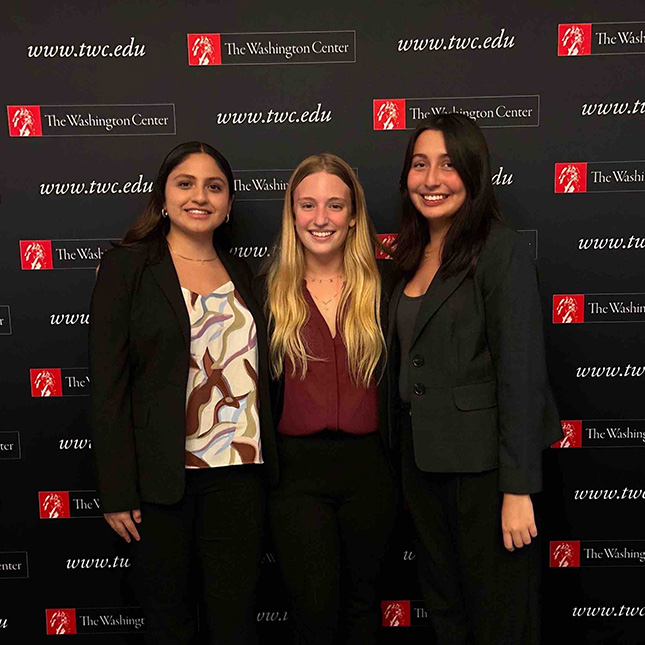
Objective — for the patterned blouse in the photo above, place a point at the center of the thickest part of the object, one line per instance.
(222, 420)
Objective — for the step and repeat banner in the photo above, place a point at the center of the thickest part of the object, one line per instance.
(95, 94)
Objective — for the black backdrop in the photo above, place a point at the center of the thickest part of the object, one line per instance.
(105, 89)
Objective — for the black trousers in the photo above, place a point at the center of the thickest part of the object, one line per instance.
(332, 516)
(219, 523)
(475, 590)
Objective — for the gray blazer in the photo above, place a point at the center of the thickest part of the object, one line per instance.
(480, 393)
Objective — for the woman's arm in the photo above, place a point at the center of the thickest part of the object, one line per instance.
(515, 337)
(111, 407)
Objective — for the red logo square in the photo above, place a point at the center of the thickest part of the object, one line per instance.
(46, 382)
(568, 308)
(396, 613)
(389, 241)
(574, 40)
(571, 177)
(564, 554)
(572, 435)
(36, 255)
(389, 114)
(53, 505)
(204, 49)
(60, 621)
(24, 121)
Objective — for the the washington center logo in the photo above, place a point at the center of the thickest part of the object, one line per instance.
(568, 308)
(572, 438)
(564, 554)
(571, 177)
(36, 255)
(54, 505)
(388, 240)
(204, 49)
(389, 114)
(46, 382)
(396, 613)
(24, 121)
(60, 621)
(574, 40)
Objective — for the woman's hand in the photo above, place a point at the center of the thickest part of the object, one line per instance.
(518, 521)
(122, 523)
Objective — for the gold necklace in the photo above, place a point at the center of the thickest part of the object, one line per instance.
(183, 257)
(325, 303)
(321, 280)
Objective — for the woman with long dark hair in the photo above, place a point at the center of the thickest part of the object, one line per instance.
(180, 407)
(333, 510)
(474, 406)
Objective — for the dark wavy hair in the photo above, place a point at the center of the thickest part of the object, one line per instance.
(151, 223)
(468, 152)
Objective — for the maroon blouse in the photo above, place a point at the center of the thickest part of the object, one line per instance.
(326, 399)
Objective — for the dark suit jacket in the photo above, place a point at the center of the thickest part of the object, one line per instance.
(139, 358)
(480, 392)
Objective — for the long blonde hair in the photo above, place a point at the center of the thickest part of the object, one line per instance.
(359, 305)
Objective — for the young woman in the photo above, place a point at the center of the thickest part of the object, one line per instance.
(333, 510)
(180, 403)
(475, 407)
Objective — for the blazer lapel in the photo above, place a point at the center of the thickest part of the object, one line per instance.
(438, 291)
(166, 276)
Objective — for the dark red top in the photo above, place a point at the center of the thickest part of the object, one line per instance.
(326, 399)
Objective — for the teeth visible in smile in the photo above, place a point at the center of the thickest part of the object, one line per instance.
(434, 198)
(321, 233)
(197, 210)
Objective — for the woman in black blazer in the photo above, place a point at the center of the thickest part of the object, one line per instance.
(180, 408)
(471, 406)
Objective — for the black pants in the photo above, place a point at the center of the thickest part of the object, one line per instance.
(218, 522)
(474, 589)
(332, 517)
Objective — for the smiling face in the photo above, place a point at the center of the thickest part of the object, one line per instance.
(434, 186)
(322, 208)
(197, 196)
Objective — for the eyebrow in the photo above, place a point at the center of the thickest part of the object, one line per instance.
(184, 174)
(421, 154)
(329, 199)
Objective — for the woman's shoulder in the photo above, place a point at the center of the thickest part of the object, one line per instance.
(501, 243)
(128, 259)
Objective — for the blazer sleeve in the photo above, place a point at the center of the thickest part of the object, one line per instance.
(111, 406)
(526, 411)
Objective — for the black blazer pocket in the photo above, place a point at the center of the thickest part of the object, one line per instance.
(477, 396)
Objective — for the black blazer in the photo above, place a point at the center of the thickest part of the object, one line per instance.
(480, 392)
(139, 359)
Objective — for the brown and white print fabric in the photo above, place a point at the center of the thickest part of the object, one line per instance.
(222, 420)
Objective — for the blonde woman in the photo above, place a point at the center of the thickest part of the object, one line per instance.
(333, 511)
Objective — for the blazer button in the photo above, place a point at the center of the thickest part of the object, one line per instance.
(418, 361)
(419, 389)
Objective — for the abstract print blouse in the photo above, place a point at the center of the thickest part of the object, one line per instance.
(222, 421)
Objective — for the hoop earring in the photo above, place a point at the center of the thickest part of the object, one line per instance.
(164, 212)
(228, 216)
